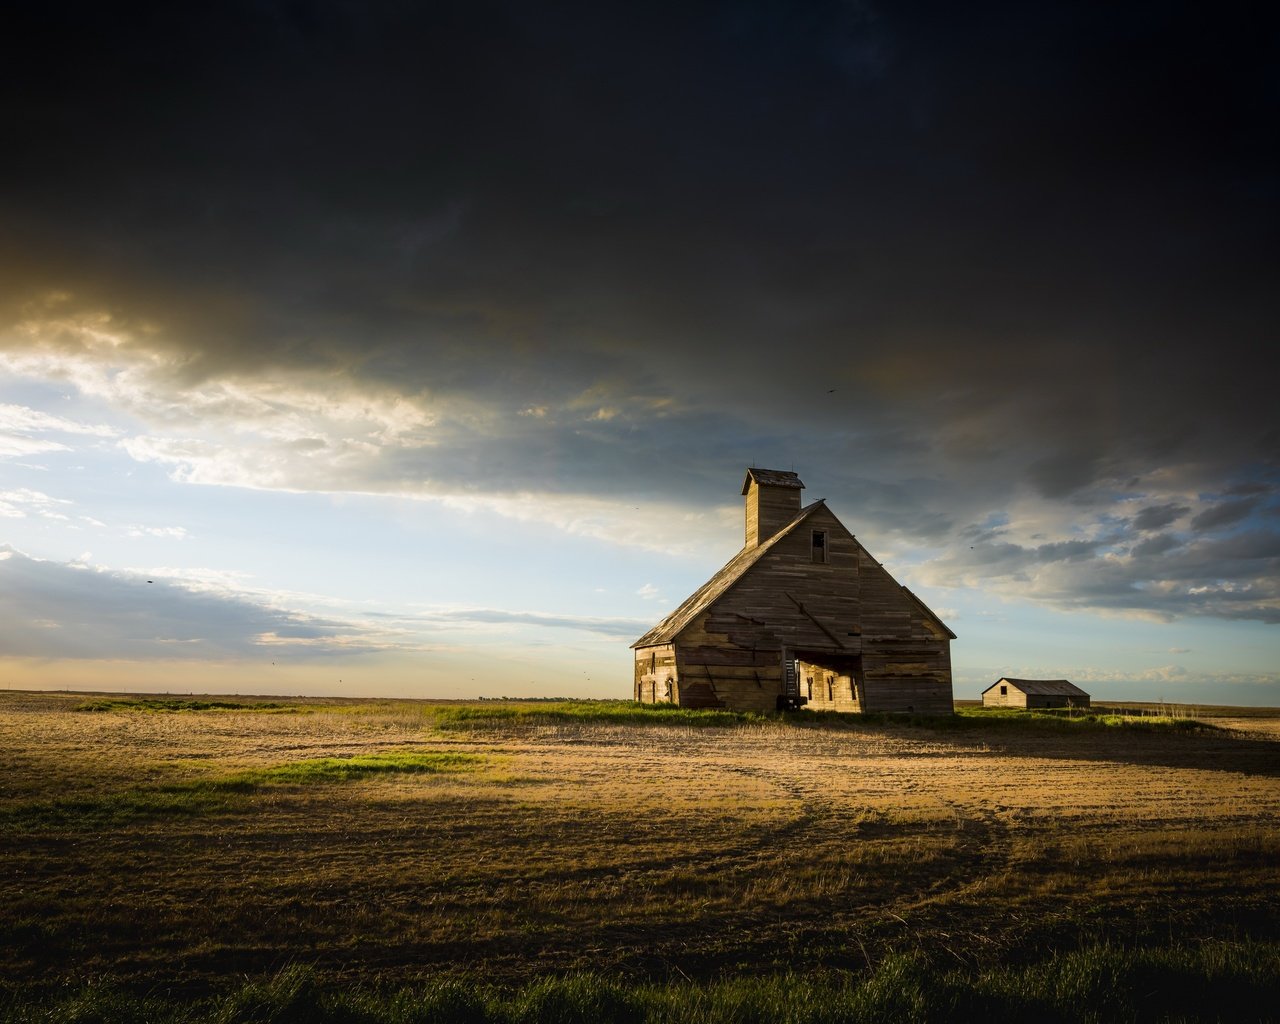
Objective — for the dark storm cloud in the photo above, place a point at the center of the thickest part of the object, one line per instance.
(1156, 545)
(932, 254)
(1224, 514)
(1156, 517)
(1232, 577)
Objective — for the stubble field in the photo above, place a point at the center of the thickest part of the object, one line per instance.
(384, 845)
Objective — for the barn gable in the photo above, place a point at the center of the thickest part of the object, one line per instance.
(803, 603)
(711, 591)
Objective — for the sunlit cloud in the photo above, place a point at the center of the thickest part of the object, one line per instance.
(20, 418)
(23, 501)
(13, 447)
(23, 431)
(168, 532)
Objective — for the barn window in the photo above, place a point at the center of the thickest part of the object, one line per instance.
(829, 693)
(809, 685)
(819, 545)
(1004, 691)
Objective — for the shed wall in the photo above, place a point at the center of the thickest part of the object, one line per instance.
(1055, 700)
(1014, 699)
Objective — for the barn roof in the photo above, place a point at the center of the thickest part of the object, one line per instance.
(1047, 687)
(772, 478)
(702, 598)
(931, 613)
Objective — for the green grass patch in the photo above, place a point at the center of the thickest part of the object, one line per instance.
(603, 712)
(1094, 718)
(1221, 981)
(347, 769)
(204, 796)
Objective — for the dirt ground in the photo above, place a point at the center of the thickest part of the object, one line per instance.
(651, 851)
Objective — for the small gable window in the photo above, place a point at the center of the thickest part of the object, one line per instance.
(819, 545)
(1004, 691)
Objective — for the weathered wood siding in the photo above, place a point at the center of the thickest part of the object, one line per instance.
(906, 656)
(718, 673)
(768, 510)
(1055, 700)
(1014, 698)
(656, 680)
(825, 613)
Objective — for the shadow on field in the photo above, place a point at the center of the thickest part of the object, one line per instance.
(1218, 751)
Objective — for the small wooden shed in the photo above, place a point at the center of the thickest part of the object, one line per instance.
(1034, 693)
(804, 616)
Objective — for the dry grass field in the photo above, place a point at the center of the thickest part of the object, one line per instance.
(387, 843)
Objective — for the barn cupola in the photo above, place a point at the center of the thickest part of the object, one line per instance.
(773, 499)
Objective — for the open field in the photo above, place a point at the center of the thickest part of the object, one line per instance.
(384, 844)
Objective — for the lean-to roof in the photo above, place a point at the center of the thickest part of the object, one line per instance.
(707, 594)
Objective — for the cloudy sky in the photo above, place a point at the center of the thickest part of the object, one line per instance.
(419, 349)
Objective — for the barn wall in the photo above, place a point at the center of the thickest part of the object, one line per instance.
(921, 695)
(716, 672)
(656, 680)
(731, 655)
(906, 656)
(786, 599)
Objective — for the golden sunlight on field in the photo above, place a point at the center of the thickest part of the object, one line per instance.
(194, 844)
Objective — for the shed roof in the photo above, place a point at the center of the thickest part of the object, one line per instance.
(1051, 687)
(702, 598)
(772, 478)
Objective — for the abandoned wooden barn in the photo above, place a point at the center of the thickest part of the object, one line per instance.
(1034, 693)
(803, 615)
